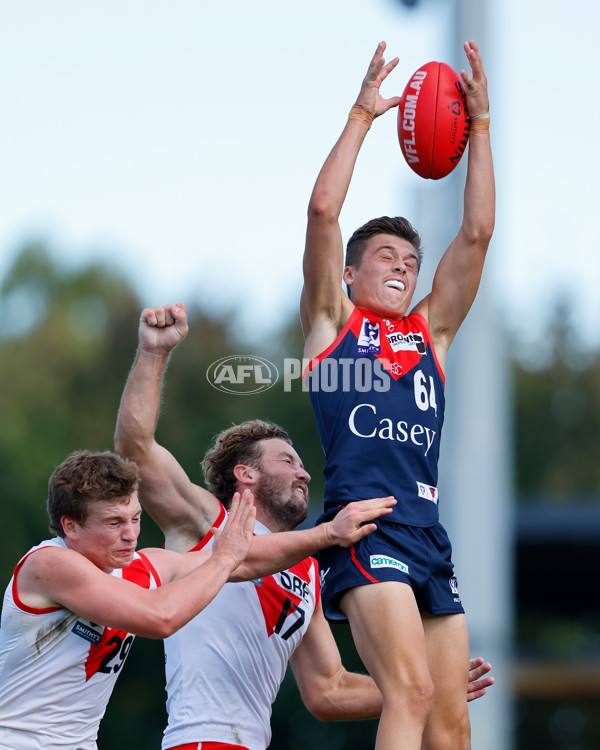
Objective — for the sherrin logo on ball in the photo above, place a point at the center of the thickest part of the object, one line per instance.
(433, 120)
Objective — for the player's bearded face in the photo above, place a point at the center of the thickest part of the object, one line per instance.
(285, 502)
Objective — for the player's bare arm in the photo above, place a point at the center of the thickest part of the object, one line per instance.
(459, 272)
(235, 539)
(183, 510)
(271, 553)
(324, 306)
(55, 576)
(331, 693)
(328, 690)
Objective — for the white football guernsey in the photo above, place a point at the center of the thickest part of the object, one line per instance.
(224, 668)
(57, 670)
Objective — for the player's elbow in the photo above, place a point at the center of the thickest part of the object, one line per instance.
(319, 707)
(125, 444)
(320, 699)
(128, 446)
(168, 626)
(163, 623)
(479, 233)
(162, 613)
(322, 714)
(322, 208)
(325, 709)
(485, 231)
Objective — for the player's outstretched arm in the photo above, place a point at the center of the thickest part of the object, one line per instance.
(272, 553)
(324, 306)
(55, 576)
(331, 693)
(184, 511)
(459, 272)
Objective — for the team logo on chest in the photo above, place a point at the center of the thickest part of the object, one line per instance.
(369, 341)
(399, 350)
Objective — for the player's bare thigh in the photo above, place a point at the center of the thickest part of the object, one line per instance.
(447, 642)
(388, 633)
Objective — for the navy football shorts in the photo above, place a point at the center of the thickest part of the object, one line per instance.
(418, 556)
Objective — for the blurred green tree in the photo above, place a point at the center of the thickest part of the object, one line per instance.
(67, 344)
(62, 361)
(557, 419)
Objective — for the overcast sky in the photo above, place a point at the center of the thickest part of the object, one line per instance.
(180, 140)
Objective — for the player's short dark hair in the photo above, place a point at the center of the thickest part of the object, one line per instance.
(394, 225)
(239, 444)
(84, 478)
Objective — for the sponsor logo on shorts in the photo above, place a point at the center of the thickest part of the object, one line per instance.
(322, 575)
(427, 492)
(454, 585)
(89, 631)
(369, 341)
(383, 561)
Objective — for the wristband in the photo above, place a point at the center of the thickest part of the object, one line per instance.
(480, 124)
(358, 112)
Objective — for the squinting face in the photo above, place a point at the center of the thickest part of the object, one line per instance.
(281, 492)
(386, 278)
(108, 537)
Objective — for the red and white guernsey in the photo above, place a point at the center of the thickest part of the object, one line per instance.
(225, 667)
(57, 670)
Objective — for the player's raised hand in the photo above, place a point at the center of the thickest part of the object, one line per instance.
(476, 83)
(369, 97)
(477, 686)
(347, 527)
(235, 538)
(162, 328)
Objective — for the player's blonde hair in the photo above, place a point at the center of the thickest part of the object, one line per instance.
(239, 444)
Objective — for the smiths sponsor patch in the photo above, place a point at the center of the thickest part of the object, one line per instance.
(383, 561)
(369, 341)
(406, 342)
(89, 631)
